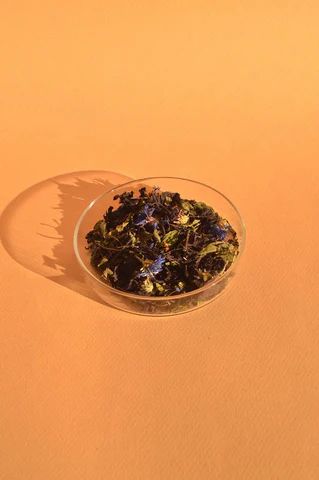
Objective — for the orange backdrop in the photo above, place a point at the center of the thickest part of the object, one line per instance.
(222, 92)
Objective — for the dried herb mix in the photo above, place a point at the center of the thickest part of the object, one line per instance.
(159, 244)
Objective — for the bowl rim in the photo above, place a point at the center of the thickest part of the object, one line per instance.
(148, 298)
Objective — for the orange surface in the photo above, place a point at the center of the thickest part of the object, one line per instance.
(222, 92)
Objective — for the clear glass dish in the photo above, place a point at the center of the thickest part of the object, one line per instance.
(157, 306)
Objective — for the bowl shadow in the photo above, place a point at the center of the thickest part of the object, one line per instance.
(36, 227)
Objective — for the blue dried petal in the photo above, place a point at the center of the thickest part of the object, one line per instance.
(157, 265)
(140, 219)
(218, 232)
(153, 269)
(144, 215)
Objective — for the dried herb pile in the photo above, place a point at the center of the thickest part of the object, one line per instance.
(159, 244)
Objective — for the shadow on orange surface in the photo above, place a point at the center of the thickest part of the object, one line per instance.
(37, 226)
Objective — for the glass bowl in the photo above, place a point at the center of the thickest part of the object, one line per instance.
(147, 305)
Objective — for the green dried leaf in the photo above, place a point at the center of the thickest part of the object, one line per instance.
(170, 238)
(225, 250)
(201, 205)
(228, 253)
(133, 238)
(159, 287)
(121, 227)
(186, 205)
(195, 224)
(107, 272)
(157, 235)
(101, 226)
(183, 219)
(205, 275)
(147, 285)
(180, 285)
(210, 248)
(224, 223)
(103, 261)
(174, 263)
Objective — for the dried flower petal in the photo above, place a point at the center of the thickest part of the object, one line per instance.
(153, 268)
(144, 216)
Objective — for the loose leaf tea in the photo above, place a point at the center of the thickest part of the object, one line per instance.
(158, 244)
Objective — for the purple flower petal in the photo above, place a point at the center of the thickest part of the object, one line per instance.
(144, 215)
(157, 265)
(154, 268)
(218, 232)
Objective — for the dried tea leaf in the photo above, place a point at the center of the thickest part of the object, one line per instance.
(186, 205)
(173, 263)
(195, 224)
(228, 253)
(210, 248)
(107, 272)
(170, 238)
(157, 243)
(179, 287)
(157, 235)
(148, 286)
(183, 219)
(133, 238)
(159, 287)
(205, 275)
(201, 206)
(101, 226)
(121, 227)
(103, 261)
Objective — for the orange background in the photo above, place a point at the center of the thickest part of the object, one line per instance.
(222, 92)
